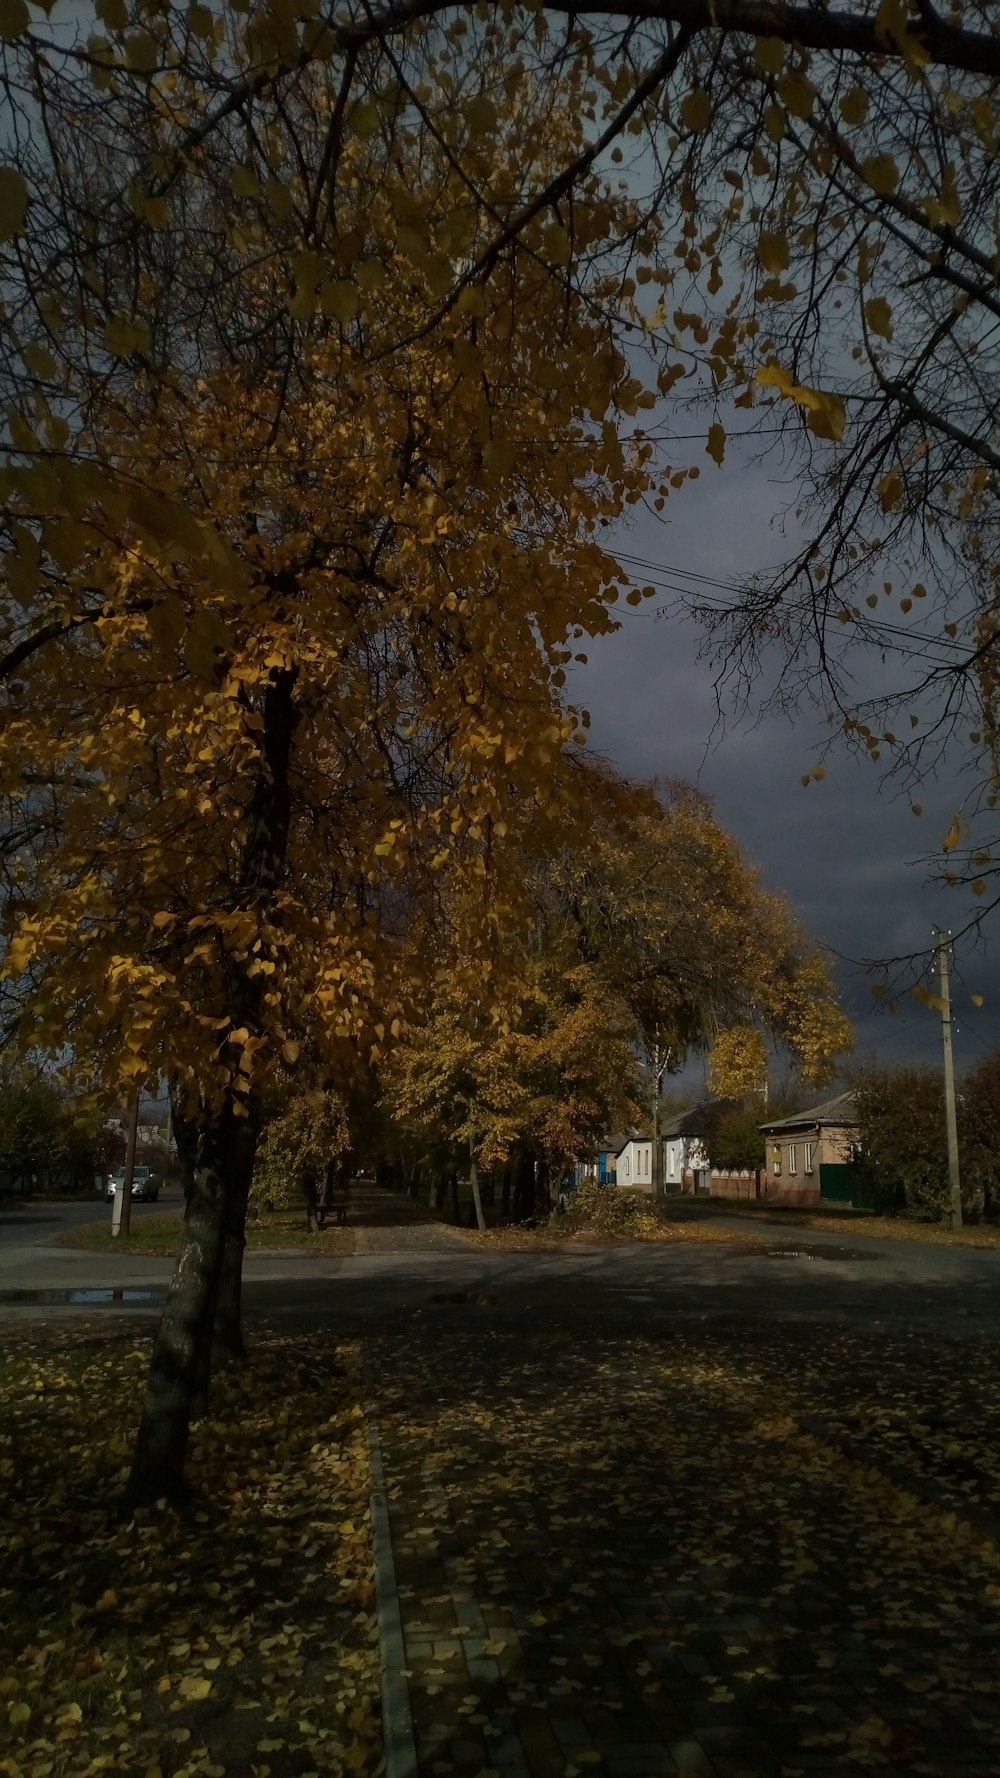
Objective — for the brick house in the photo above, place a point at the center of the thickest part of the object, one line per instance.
(810, 1154)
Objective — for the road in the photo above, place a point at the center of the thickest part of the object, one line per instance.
(800, 1274)
(35, 1224)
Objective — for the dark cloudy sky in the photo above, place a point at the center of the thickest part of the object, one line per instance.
(846, 851)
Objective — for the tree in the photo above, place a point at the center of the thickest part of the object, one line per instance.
(45, 1140)
(902, 1137)
(286, 645)
(734, 1139)
(979, 1114)
(299, 1151)
(532, 1085)
(651, 928)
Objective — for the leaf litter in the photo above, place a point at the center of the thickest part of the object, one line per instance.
(237, 1640)
(667, 1550)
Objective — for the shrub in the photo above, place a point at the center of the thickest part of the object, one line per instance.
(608, 1210)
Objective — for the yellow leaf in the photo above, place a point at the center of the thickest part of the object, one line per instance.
(141, 52)
(339, 301)
(19, 1713)
(854, 107)
(14, 19)
(194, 1688)
(772, 251)
(716, 446)
(798, 95)
(365, 119)
(945, 211)
(827, 415)
(977, 999)
(245, 182)
(13, 203)
(481, 115)
(696, 111)
(881, 173)
(769, 54)
(123, 335)
(39, 359)
(878, 315)
(290, 1051)
(113, 13)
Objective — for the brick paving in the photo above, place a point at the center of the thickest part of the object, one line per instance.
(617, 1556)
(388, 1222)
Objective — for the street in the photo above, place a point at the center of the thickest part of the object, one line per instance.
(770, 1275)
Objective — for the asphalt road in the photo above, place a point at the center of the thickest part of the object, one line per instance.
(34, 1224)
(800, 1275)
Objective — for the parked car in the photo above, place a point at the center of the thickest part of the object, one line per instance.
(145, 1189)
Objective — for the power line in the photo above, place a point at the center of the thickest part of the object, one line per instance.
(659, 571)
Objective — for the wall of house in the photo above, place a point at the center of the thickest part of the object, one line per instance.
(682, 1156)
(634, 1168)
(794, 1158)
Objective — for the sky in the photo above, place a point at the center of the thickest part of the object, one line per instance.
(846, 852)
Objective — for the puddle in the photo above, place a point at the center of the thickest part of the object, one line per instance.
(52, 1298)
(835, 1253)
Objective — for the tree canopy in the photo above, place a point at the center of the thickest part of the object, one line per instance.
(650, 929)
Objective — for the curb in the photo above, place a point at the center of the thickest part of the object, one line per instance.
(397, 1718)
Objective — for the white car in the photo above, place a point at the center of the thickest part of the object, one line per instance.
(145, 1189)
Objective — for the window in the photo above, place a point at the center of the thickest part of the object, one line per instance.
(807, 1157)
(791, 1157)
(776, 1159)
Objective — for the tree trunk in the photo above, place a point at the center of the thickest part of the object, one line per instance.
(456, 1212)
(182, 1346)
(228, 1345)
(436, 1190)
(505, 1193)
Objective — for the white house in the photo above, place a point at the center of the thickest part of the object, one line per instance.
(634, 1164)
(686, 1162)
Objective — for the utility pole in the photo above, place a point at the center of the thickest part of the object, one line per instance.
(941, 940)
(660, 1059)
(121, 1213)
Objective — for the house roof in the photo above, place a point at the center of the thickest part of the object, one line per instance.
(694, 1122)
(839, 1113)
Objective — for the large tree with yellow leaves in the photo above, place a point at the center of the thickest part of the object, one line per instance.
(290, 658)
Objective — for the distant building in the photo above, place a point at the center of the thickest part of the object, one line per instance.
(812, 1154)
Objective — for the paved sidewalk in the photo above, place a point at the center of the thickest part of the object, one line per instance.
(618, 1556)
(389, 1222)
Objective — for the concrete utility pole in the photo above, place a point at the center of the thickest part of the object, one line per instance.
(942, 941)
(121, 1212)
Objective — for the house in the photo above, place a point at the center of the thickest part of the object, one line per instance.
(685, 1154)
(600, 1164)
(634, 1164)
(811, 1155)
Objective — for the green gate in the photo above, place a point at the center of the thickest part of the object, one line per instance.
(847, 1183)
